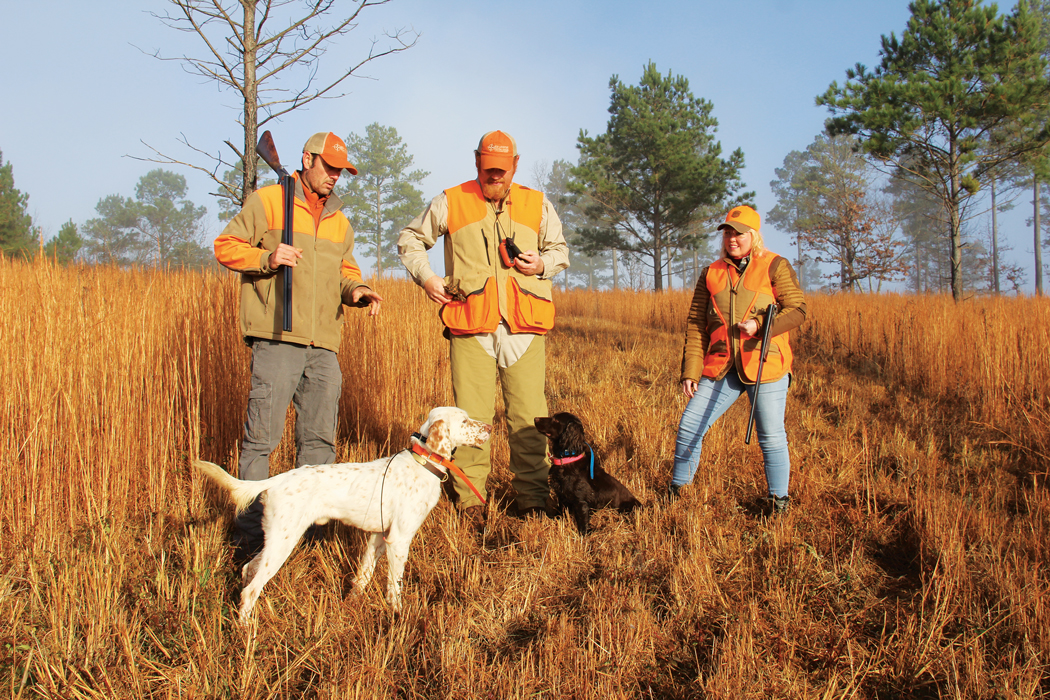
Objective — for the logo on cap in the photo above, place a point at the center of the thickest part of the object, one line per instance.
(498, 148)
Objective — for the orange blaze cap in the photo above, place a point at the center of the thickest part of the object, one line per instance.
(331, 149)
(742, 219)
(496, 150)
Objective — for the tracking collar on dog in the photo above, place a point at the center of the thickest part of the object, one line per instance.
(569, 459)
(421, 452)
(441, 474)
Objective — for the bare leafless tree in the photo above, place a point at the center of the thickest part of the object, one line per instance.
(250, 46)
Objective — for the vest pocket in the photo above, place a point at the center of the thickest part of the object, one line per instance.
(528, 312)
(478, 313)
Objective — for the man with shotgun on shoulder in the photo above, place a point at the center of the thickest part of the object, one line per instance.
(293, 329)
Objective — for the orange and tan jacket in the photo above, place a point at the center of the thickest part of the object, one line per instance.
(322, 280)
(492, 291)
(723, 298)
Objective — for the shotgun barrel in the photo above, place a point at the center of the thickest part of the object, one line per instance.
(267, 150)
(767, 335)
(288, 185)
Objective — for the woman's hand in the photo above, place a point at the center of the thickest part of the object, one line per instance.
(750, 326)
(688, 388)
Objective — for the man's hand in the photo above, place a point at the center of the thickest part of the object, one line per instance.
(688, 388)
(529, 263)
(284, 255)
(369, 295)
(435, 289)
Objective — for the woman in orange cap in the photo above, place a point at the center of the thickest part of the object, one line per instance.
(722, 349)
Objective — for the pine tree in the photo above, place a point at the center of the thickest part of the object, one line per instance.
(64, 247)
(959, 74)
(382, 198)
(16, 226)
(158, 227)
(654, 169)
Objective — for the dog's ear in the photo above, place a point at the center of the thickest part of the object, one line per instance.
(572, 438)
(438, 439)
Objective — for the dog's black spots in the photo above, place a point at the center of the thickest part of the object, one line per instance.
(571, 480)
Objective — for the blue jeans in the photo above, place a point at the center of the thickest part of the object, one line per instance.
(710, 401)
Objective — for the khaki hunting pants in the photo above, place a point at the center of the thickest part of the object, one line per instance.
(474, 373)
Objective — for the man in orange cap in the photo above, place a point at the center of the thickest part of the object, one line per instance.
(503, 243)
(299, 365)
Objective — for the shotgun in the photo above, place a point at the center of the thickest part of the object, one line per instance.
(268, 151)
(767, 335)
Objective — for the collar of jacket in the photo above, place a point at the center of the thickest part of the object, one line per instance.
(332, 203)
(740, 264)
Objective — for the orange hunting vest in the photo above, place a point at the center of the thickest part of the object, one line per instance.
(735, 298)
(472, 263)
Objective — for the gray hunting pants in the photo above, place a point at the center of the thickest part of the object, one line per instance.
(282, 372)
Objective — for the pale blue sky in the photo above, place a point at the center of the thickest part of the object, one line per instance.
(79, 97)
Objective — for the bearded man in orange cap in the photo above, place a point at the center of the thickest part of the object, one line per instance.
(503, 243)
(301, 364)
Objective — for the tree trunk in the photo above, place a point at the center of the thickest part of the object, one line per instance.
(616, 271)
(995, 245)
(658, 273)
(251, 103)
(1038, 243)
(379, 232)
(955, 223)
(842, 269)
(798, 263)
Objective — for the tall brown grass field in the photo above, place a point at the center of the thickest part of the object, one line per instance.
(913, 563)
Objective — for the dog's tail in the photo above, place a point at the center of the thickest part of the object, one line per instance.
(242, 492)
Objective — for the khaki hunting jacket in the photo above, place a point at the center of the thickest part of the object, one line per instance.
(322, 280)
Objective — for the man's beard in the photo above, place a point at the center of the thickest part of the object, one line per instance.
(495, 192)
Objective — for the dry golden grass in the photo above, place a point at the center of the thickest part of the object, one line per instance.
(914, 563)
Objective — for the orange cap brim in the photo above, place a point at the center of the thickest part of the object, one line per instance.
(487, 162)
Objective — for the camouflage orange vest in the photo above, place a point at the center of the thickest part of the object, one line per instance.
(735, 298)
(472, 263)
